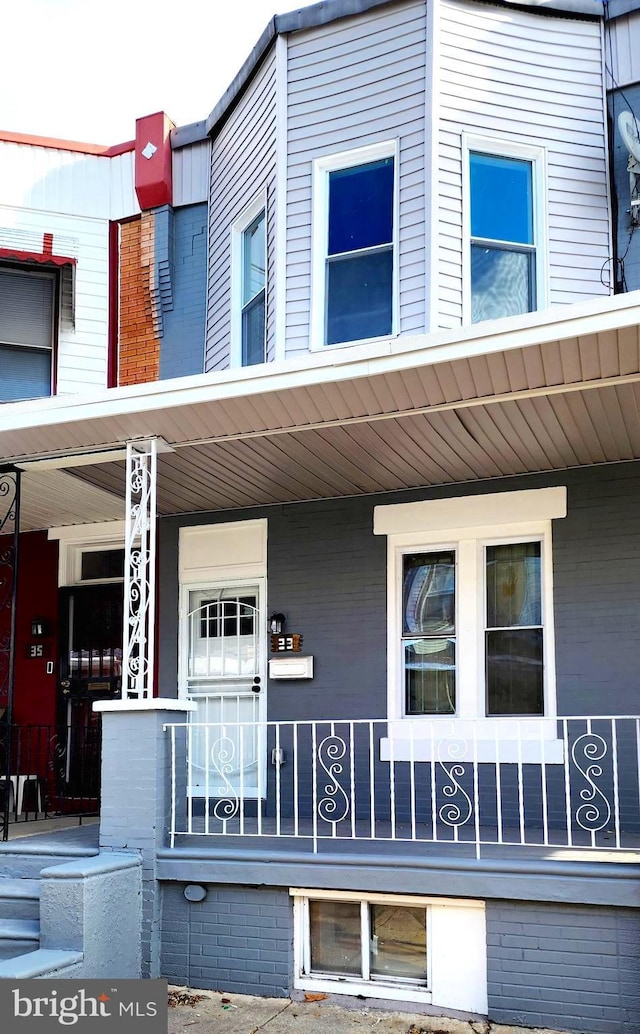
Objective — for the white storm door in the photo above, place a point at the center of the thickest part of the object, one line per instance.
(226, 679)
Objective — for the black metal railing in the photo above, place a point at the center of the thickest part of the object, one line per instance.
(47, 771)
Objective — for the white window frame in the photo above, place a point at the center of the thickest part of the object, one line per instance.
(87, 538)
(467, 525)
(456, 951)
(501, 148)
(320, 236)
(242, 223)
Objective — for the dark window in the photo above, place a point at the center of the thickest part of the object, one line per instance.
(232, 617)
(514, 633)
(100, 564)
(26, 334)
(359, 287)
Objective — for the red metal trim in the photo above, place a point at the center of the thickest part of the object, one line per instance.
(67, 145)
(44, 258)
(114, 308)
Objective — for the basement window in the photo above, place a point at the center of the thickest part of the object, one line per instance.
(391, 946)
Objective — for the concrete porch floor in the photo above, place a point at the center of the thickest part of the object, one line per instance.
(61, 830)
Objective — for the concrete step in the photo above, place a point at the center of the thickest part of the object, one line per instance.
(44, 962)
(18, 937)
(28, 856)
(19, 898)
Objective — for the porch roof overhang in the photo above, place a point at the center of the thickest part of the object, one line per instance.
(546, 391)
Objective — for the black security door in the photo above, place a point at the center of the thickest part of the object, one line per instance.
(90, 669)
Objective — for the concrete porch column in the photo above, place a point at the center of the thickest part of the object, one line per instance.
(136, 795)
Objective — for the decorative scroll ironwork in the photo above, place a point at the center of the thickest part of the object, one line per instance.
(595, 813)
(334, 807)
(140, 564)
(222, 754)
(454, 812)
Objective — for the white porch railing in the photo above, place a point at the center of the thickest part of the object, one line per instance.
(570, 782)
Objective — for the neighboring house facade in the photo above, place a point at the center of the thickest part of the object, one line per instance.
(390, 430)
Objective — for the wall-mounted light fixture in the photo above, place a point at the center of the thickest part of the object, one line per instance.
(276, 623)
(40, 628)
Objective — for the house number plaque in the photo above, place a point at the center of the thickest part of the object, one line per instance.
(290, 643)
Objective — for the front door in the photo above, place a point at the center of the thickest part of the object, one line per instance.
(90, 669)
(226, 652)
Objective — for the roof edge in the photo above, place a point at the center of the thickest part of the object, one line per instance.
(56, 144)
(328, 11)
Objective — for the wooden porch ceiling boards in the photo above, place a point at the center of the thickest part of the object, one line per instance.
(515, 437)
(318, 432)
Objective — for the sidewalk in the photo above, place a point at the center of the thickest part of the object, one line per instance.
(243, 1014)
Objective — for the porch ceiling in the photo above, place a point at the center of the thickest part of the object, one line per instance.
(541, 392)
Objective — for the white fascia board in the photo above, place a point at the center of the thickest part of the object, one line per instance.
(390, 356)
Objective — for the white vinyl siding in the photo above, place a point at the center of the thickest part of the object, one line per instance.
(623, 50)
(538, 82)
(353, 83)
(190, 167)
(243, 163)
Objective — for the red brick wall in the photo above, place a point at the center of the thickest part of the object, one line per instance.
(139, 349)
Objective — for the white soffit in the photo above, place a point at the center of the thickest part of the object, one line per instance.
(54, 498)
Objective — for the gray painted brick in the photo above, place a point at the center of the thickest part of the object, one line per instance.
(234, 955)
(562, 983)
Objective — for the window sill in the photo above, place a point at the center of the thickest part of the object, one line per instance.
(364, 989)
(464, 742)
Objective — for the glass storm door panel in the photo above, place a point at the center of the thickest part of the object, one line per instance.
(225, 676)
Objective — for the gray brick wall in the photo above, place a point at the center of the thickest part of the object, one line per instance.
(239, 939)
(567, 967)
(182, 343)
(327, 573)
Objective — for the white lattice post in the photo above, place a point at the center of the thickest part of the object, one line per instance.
(140, 570)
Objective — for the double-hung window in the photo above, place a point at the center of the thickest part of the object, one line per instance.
(354, 233)
(504, 202)
(470, 612)
(249, 261)
(27, 310)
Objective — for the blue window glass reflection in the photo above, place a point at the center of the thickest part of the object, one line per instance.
(501, 199)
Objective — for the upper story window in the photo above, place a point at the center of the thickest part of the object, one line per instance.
(355, 234)
(27, 309)
(249, 274)
(505, 254)
(254, 279)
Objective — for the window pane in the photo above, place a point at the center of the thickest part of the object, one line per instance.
(430, 676)
(359, 297)
(335, 937)
(103, 563)
(515, 672)
(428, 593)
(501, 198)
(253, 341)
(502, 283)
(25, 373)
(361, 206)
(513, 585)
(253, 259)
(398, 942)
